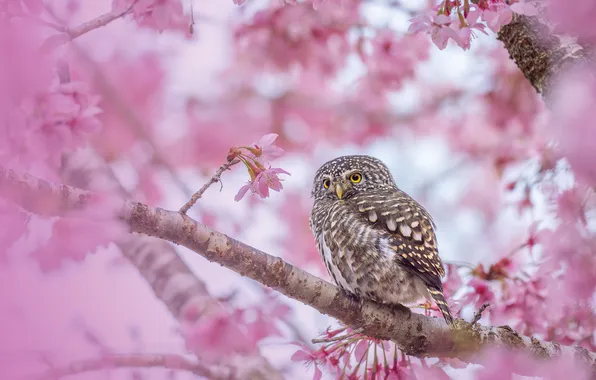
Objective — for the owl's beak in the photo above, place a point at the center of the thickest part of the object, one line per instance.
(339, 190)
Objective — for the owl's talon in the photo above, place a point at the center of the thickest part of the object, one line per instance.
(355, 301)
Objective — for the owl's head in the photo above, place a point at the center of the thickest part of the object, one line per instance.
(346, 176)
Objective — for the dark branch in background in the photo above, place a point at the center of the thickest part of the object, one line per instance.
(416, 335)
(540, 54)
(167, 361)
(98, 22)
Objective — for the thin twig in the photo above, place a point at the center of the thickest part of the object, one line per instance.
(216, 178)
(87, 26)
(169, 361)
(98, 22)
(478, 314)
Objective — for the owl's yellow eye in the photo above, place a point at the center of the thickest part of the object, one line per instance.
(356, 177)
(326, 183)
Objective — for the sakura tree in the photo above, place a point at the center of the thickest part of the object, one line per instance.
(144, 142)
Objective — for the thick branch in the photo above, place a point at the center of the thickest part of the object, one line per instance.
(540, 54)
(157, 261)
(416, 335)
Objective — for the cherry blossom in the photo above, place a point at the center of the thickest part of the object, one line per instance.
(304, 355)
(262, 182)
(62, 118)
(435, 25)
(455, 20)
(255, 157)
(298, 35)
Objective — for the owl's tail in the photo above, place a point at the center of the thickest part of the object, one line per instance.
(442, 304)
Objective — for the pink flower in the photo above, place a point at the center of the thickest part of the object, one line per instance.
(393, 59)
(264, 180)
(495, 19)
(286, 37)
(59, 120)
(268, 151)
(498, 14)
(435, 25)
(465, 32)
(305, 355)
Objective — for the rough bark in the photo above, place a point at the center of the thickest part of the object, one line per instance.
(417, 334)
(170, 279)
(540, 54)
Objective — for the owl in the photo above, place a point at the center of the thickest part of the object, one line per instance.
(377, 242)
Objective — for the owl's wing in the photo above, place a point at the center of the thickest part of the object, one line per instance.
(409, 228)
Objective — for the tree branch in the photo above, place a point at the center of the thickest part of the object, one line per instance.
(168, 361)
(157, 261)
(98, 22)
(416, 335)
(214, 179)
(540, 54)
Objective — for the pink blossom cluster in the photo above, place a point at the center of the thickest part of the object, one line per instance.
(392, 60)
(456, 20)
(156, 14)
(255, 158)
(44, 116)
(355, 356)
(215, 336)
(283, 37)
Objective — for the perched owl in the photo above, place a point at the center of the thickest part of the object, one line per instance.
(376, 241)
